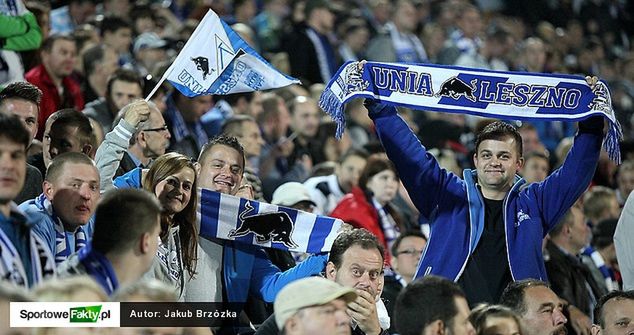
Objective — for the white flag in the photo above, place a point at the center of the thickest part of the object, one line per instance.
(215, 60)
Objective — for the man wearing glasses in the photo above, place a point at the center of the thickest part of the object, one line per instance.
(140, 136)
(150, 140)
(406, 252)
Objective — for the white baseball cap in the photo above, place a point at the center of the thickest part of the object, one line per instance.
(291, 193)
(307, 292)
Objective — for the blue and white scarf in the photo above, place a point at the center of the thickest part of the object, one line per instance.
(11, 266)
(99, 268)
(606, 272)
(496, 94)
(62, 249)
(181, 130)
(407, 46)
(248, 221)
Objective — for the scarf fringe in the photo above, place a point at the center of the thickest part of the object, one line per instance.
(331, 104)
(611, 142)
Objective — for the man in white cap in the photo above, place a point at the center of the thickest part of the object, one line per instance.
(313, 305)
(294, 195)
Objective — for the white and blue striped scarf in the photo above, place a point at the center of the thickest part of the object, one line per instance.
(606, 272)
(11, 267)
(248, 221)
(450, 89)
(62, 249)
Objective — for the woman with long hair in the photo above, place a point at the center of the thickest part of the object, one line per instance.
(369, 204)
(172, 178)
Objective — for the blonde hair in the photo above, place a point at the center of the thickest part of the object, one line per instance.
(152, 289)
(63, 289)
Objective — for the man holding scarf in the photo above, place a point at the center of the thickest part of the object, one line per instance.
(486, 229)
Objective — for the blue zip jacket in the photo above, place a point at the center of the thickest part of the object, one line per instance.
(455, 206)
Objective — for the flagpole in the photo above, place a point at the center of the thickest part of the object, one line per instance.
(160, 82)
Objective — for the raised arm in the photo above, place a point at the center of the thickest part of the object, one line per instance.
(426, 182)
(559, 191)
(116, 142)
(267, 279)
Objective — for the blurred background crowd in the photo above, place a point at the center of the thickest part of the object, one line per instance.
(90, 59)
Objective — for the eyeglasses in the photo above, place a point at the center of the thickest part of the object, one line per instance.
(157, 129)
(411, 252)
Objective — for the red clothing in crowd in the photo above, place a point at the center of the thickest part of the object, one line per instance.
(355, 209)
(51, 100)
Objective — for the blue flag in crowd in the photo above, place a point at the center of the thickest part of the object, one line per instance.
(249, 221)
(215, 60)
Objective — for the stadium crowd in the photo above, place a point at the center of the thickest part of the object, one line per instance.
(98, 187)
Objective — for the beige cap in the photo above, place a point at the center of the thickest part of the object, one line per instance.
(306, 292)
(291, 193)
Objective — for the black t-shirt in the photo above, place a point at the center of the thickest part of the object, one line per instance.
(487, 272)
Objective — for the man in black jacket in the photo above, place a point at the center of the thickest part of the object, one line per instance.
(570, 279)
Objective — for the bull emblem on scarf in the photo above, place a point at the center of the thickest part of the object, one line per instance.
(455, 88)
(273, 226)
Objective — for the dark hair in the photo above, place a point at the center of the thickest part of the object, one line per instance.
(164, 166)
(424, 301)
(21, 90)
(113, 23)
(69, 117)
(375, 165)
(480, 314)
(125, 75)
(93, 56)
(233, 99)
(500, 130)
(598, 308)
(346, 239)
(603, 233)
(47, 44)
(566, 221)
(513, 295)
(230, 141)
(57, 164)
(122, 217)
(148, 85)
(404, 235)
(11, 128)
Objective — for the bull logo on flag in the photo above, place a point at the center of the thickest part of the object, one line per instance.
(272, 226)
(202, 64)
(454, 88)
